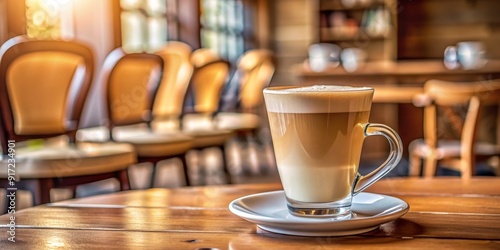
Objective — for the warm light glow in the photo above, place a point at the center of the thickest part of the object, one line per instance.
(49, 19)
(55, 242)
(39, 18)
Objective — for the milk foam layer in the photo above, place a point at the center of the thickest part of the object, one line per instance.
(318, 99)
(322, 88)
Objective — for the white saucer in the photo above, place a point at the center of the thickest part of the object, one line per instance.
(268, 210)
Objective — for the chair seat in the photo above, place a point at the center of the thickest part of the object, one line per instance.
(201, 128)
(202, 136)
(145, 142)
(210, 138)
(237, 121)
(451, 148)
(195, 122)
(56, 161)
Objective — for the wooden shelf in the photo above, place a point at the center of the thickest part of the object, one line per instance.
(339, 35)
(333, 5)
(408, 68)
(370, 25)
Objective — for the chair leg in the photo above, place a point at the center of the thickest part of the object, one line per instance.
(415, 168)
(430, 166)
(225, 164)
(153, 175)
(73, 191)
(122, 177)
(39, 188)
(185, 168)
(10, 195)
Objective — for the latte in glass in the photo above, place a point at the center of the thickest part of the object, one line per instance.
(318, 134)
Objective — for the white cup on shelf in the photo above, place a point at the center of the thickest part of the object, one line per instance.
(352, 59)
(471, 55)
(323, 56)
(451, 58)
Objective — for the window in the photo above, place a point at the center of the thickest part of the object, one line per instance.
(227, 26)
(146, 25)
(223, 27)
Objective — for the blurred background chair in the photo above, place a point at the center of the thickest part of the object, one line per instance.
(131, 84)
(43, 86)
(254, 72)
(241, 111)
(210, 74)
(177, 72)
(200, 93)
(462, 154)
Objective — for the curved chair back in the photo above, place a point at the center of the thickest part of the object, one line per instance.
(43, 86)
(177, 73)
(209, 76)
(131, 82)
(257, 69)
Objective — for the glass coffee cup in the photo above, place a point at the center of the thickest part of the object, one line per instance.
(318, 133)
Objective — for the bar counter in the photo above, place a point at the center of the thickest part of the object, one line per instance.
(411, 73)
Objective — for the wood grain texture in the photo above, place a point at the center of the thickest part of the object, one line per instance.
(444, 213)
(206, 197)
(220, 196)
(92, 239)
(442, 186)
(469, 223)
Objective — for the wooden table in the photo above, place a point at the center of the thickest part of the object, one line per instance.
(444, 213)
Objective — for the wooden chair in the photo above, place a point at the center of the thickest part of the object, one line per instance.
(131, 84)
(177, 72)
(254, 72)
(240, 108)
(204, 91)
(198, 81)
(459, 154)
(43, 86)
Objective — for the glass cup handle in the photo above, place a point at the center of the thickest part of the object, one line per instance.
(396, 152)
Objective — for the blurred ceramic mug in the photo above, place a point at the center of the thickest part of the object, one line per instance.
(323, 55)
(471, 55)
(318, 135)
(352, 59)
(451, 57)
